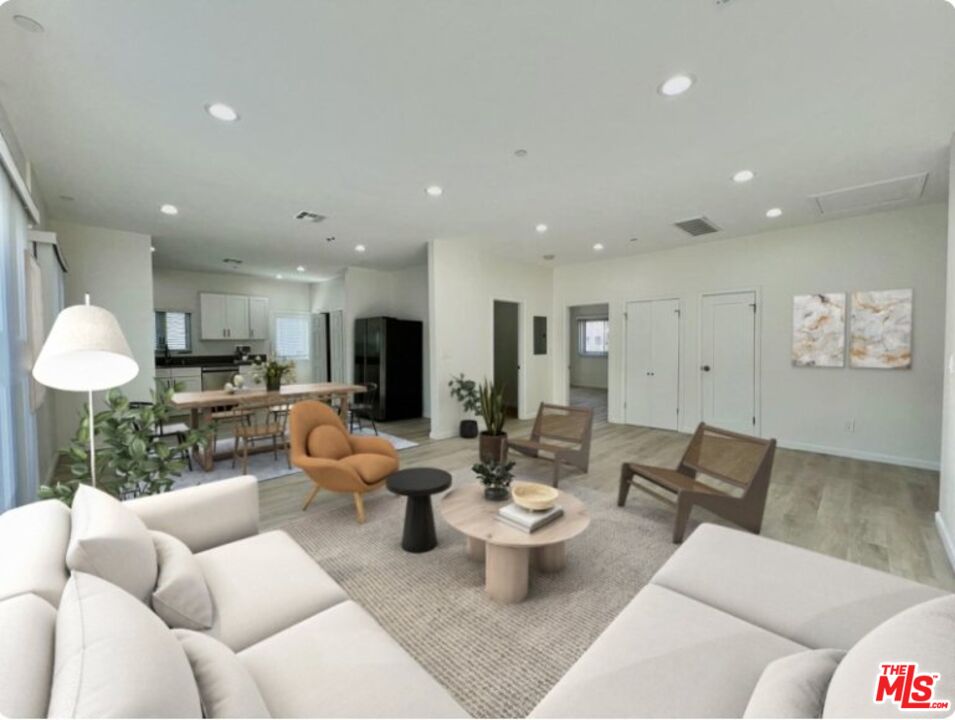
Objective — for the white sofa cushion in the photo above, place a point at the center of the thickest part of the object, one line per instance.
(226, 688)
(27, 624)
(667, 655)
(115, 658)
(813, 599)
(924, 635)
(340, 663)
(181, 597)
(262, 585)
(34, 538)
(111, 542)
(794, 686)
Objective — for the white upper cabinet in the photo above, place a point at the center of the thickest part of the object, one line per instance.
(258, 318)
(212, 316)
(237, 316)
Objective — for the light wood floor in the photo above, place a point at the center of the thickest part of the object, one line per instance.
(869, 513)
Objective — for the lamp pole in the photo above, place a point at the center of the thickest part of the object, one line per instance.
(92, 428)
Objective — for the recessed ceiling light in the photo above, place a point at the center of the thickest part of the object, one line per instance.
(278, 277)
(774, 213)
(168, 209)
(152, 249)
(677, 85)
(359, 248)
(598, 247)
(541, 228)
(434, 190)
(301, 268)
(743, 176)
(27, 23)
(223, 112)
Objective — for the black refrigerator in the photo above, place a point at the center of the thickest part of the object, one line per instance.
(388, 353)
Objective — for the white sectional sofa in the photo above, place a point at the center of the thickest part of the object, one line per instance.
(279, 618)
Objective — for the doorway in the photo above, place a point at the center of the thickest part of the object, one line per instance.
(729, 362)
(653, 363)
(507, 320)
(587, 367)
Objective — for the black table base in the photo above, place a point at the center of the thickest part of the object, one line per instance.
(418, 485)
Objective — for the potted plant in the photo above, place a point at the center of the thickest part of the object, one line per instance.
(493, 442)
(496, 478)
(273, 372)
(465, 392)
(131, 460)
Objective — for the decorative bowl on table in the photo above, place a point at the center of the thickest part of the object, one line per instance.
(534, 496)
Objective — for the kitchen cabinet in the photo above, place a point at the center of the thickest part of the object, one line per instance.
(237, 317)
(188, 379)
(258, 318)
(212, 319)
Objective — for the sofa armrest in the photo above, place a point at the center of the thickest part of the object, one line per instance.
(204, 516)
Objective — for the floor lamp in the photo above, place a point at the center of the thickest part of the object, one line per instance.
(84, 352)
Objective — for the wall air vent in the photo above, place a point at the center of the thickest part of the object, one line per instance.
(873, 195)
(697, 226)
(308, 216)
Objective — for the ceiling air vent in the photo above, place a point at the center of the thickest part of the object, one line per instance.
(697, 226)
(873, 195)
(308, 216)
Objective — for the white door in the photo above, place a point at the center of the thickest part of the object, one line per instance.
(237, 317)
(258, 318)
(653, 364)
(728, 361)
(320, 347)
(212, 319)
(336, 339)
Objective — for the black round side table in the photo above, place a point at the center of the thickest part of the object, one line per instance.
(418, 485)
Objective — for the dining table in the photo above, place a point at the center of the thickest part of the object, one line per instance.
(202, 404)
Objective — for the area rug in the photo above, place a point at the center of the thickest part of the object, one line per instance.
(262, 465)
(496, 660)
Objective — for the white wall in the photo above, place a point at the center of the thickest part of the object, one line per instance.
(464, 281)
(585, 371)
(328, 295)
(897, 413)
(115, 268)
(945, 519)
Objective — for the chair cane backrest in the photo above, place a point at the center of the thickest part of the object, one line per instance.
(565, 423)
(732, 457)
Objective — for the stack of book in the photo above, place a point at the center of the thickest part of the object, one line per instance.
(528, 520)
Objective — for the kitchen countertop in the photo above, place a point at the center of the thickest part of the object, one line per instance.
(199, 361)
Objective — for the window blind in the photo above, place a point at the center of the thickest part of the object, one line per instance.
(291, 337)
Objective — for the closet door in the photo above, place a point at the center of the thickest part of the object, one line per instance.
(639, 323)
(665, 365)
(728, 354)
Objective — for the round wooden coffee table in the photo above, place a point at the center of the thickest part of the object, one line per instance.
(508, 552)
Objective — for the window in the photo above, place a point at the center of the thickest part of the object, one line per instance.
(291, 337)
(593, 336)
(173, 331)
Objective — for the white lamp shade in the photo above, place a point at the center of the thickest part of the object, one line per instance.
(85, 350)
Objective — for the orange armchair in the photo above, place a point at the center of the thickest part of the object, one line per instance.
(335, 460)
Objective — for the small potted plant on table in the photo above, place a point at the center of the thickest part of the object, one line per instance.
(273, 372)
(465, 392)
(496, 478)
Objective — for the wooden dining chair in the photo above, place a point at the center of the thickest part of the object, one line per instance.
(259, 419)
(743, 461)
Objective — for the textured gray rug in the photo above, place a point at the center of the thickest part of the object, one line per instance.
(498, 661)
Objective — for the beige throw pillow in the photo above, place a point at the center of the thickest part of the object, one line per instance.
(115, 659)
(794, 686)
(226, 688)
(181, 597)
(111, 542)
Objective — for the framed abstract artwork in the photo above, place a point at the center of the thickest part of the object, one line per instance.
(819, 330)
(880, 329)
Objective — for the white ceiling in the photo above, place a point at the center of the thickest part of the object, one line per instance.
(351, 109)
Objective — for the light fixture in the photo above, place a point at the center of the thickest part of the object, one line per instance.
(27, 23)
(541, 228)
(774, 213)
(152, 248)
(598, 247)
(743, 176)
(676, 85)
(549, 257)
(85, 351)
(168, 209)
(301, 268)
(360, 248)
(434, 190)
(521, 152)
(278, 277)
(223, 112)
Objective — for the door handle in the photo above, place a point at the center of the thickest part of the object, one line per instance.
(705, 368)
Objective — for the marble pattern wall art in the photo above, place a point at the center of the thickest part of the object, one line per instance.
(881, 329)
(819, 330)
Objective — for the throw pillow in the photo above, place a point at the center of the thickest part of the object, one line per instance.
(181, 597)
(794, 686)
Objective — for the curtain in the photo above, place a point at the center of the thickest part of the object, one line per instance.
(18, 451)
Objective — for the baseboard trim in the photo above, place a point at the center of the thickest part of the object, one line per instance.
(442, 434)
(862, 455)
(948, 541)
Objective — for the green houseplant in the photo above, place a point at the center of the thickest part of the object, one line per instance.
(466, 392)
(496, 478)
(273, 373)
(493, 442)
(130, 460)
